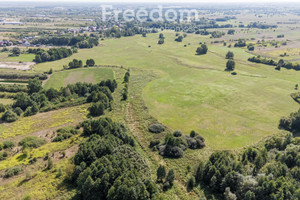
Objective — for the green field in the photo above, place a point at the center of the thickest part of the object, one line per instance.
(89, 75)
(194, 92)
(23, 58)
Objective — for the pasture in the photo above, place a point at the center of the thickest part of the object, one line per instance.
(195, 93)
(89, 75)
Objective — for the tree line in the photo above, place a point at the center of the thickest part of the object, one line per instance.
(37, 99)
(279, 64)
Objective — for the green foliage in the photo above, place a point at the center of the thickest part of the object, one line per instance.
(202, 50)
(229, 55)
(32, 142)
(107, 165)
(75, 64)
(8, 144)
(230, 65)
(9, 116)
(50, 163)
(156, 128)
(12, 172)
(161, 173)
(96, 109)
(65, 133)
(291, 123)
(51, 54)
(90, 62)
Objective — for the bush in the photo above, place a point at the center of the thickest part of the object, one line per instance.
(32, 142)
(177, 134)
(18, 111)
(3, 155)
(96, 109)
(12, 172)
(65, 133)
(202, 50)
(154, 143)
(8, 144)
(2, 108)
(156, 128)
(9, 116)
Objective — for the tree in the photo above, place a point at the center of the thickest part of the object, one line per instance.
(202, 50)
(161, 41)
(161, 173)
(170, 177)
(90, 62)
(191, 183)
(229, 195)
(16, 51)
(229, 55)
(161, 36)
(34, 85)
(179, 39)
(96, 109)
(230, 65)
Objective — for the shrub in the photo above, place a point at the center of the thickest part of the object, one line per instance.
(3, 155)
(177, 134)
(202, 50)
(12, 172)
(32, 142)
(154, 143)
(156, 128)
(18, 111)
(65, 133)
(96, 109)
(191, 183)
(2, 108)
(8, 144)
(9, 116)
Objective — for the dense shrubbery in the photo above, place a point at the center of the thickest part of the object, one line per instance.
(32, 142)
(9, 116)
(107, 165)
(281, 63)
(76, 41)
(7, 144)
(267, 172)
(126, 83)
(156, 128)
(38, 99)
(65, 133)
(291, 123)
(10, 172)
(175, 144)
(22, 76)
(51, 54)
(13, 88)
(240, 43)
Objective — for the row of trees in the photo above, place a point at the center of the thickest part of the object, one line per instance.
(37, 99)
(51, 54)
(76, 41)
(279, 64)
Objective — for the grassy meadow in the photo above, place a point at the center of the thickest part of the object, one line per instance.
(194, 92)
(89, 75)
